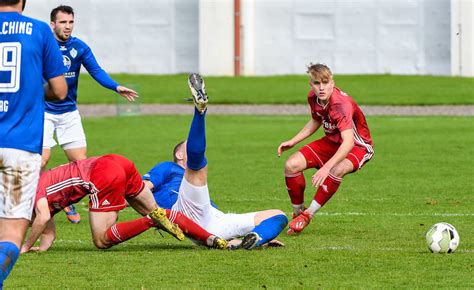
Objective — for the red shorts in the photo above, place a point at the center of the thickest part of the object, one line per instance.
(115, 178)
(318, 152)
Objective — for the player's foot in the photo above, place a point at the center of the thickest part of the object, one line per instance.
(196, 84)
(163, 223)
(299, 223)
(234, 244)
(72, 215)
(216, 243)
(250, 241)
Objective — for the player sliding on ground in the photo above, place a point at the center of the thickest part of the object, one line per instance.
(109, 180)
(344, 149)
(190, 195)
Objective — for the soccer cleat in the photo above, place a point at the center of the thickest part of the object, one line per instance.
(163, 223)
(217, 243)
(72, 215)
(250, 241)
(299, 223)
(197, 87)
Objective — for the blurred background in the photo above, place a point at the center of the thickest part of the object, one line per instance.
(275, 37)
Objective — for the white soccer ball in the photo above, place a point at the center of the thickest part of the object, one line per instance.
(442, 238)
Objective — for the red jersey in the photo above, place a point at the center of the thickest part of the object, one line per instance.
(106, 179)
(339, 114)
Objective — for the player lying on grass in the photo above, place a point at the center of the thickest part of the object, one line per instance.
(190, 195)
(110, 181)
(344, 149)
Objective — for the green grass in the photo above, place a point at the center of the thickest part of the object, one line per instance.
(370, 235)
(366, 89)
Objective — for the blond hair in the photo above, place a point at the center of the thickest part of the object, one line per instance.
(319, 72)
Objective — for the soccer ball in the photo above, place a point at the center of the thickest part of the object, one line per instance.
(442, 238)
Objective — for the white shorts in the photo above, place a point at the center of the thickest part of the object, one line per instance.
(194, 202)
(19, 174)
(68, 128)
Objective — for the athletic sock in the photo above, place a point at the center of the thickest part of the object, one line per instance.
(8, 255)
(313, 207)
(196, 144)
(325, 191)
(120, 232)
(191, 229)
(270, 228)
(297, 209)
(295, 184)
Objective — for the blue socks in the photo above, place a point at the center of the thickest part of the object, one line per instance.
(196, 145)
(270, 228)
(8, 255)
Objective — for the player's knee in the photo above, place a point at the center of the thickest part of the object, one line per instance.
(101, 243)
(292, 166)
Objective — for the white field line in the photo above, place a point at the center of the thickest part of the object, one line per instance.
(326, 248)
(394, 214)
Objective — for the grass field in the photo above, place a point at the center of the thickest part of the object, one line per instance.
(366, 89)
(370, 235)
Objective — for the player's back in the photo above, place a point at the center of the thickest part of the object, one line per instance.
(26, 46)
(66, 184)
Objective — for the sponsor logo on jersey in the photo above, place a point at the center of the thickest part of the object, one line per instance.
(328, 127)
(62, 48)
(70, 74)
(73, 53)
(67, 61)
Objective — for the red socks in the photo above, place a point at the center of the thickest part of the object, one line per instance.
(295, 184)
(120, 232)
(189, 227)
(327, 189)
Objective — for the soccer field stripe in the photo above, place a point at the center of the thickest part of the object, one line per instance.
(393, 214)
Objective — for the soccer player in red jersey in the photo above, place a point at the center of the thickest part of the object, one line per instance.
(344, 149)
(110, 181)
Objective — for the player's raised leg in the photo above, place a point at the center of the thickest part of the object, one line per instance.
(196, 171)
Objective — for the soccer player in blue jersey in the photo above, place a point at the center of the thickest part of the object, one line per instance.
(28, 54)
(63, 117)
(190, 195)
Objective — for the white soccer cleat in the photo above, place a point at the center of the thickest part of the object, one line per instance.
(198, 90)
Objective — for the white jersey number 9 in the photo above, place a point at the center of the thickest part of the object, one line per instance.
(10, 66)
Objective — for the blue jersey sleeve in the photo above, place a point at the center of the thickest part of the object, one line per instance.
(93, 67)
(158, 175)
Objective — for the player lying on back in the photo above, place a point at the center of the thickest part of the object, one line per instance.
(190, 195)
(345, 148)
(110, 181)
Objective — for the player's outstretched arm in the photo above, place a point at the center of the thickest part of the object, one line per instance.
(42, 217)
(308, 130)
(127, 93)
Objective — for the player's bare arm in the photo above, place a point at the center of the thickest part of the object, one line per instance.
(48, 236)
(149, 184)
(42, 217)
(309, 129)
(55, 89)
(346, 147)
(127, 93)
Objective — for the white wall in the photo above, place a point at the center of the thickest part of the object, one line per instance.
(462, 37)
(278, 36)
(359, 36)
(134, 36)
(216, 35)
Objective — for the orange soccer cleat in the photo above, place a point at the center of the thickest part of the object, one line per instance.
(299, 223)
(72, 215)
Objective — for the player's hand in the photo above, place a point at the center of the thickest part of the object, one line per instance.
(127, 93)
(320, 176)
(285, 146)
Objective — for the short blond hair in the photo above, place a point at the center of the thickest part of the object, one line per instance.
(319, 72)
